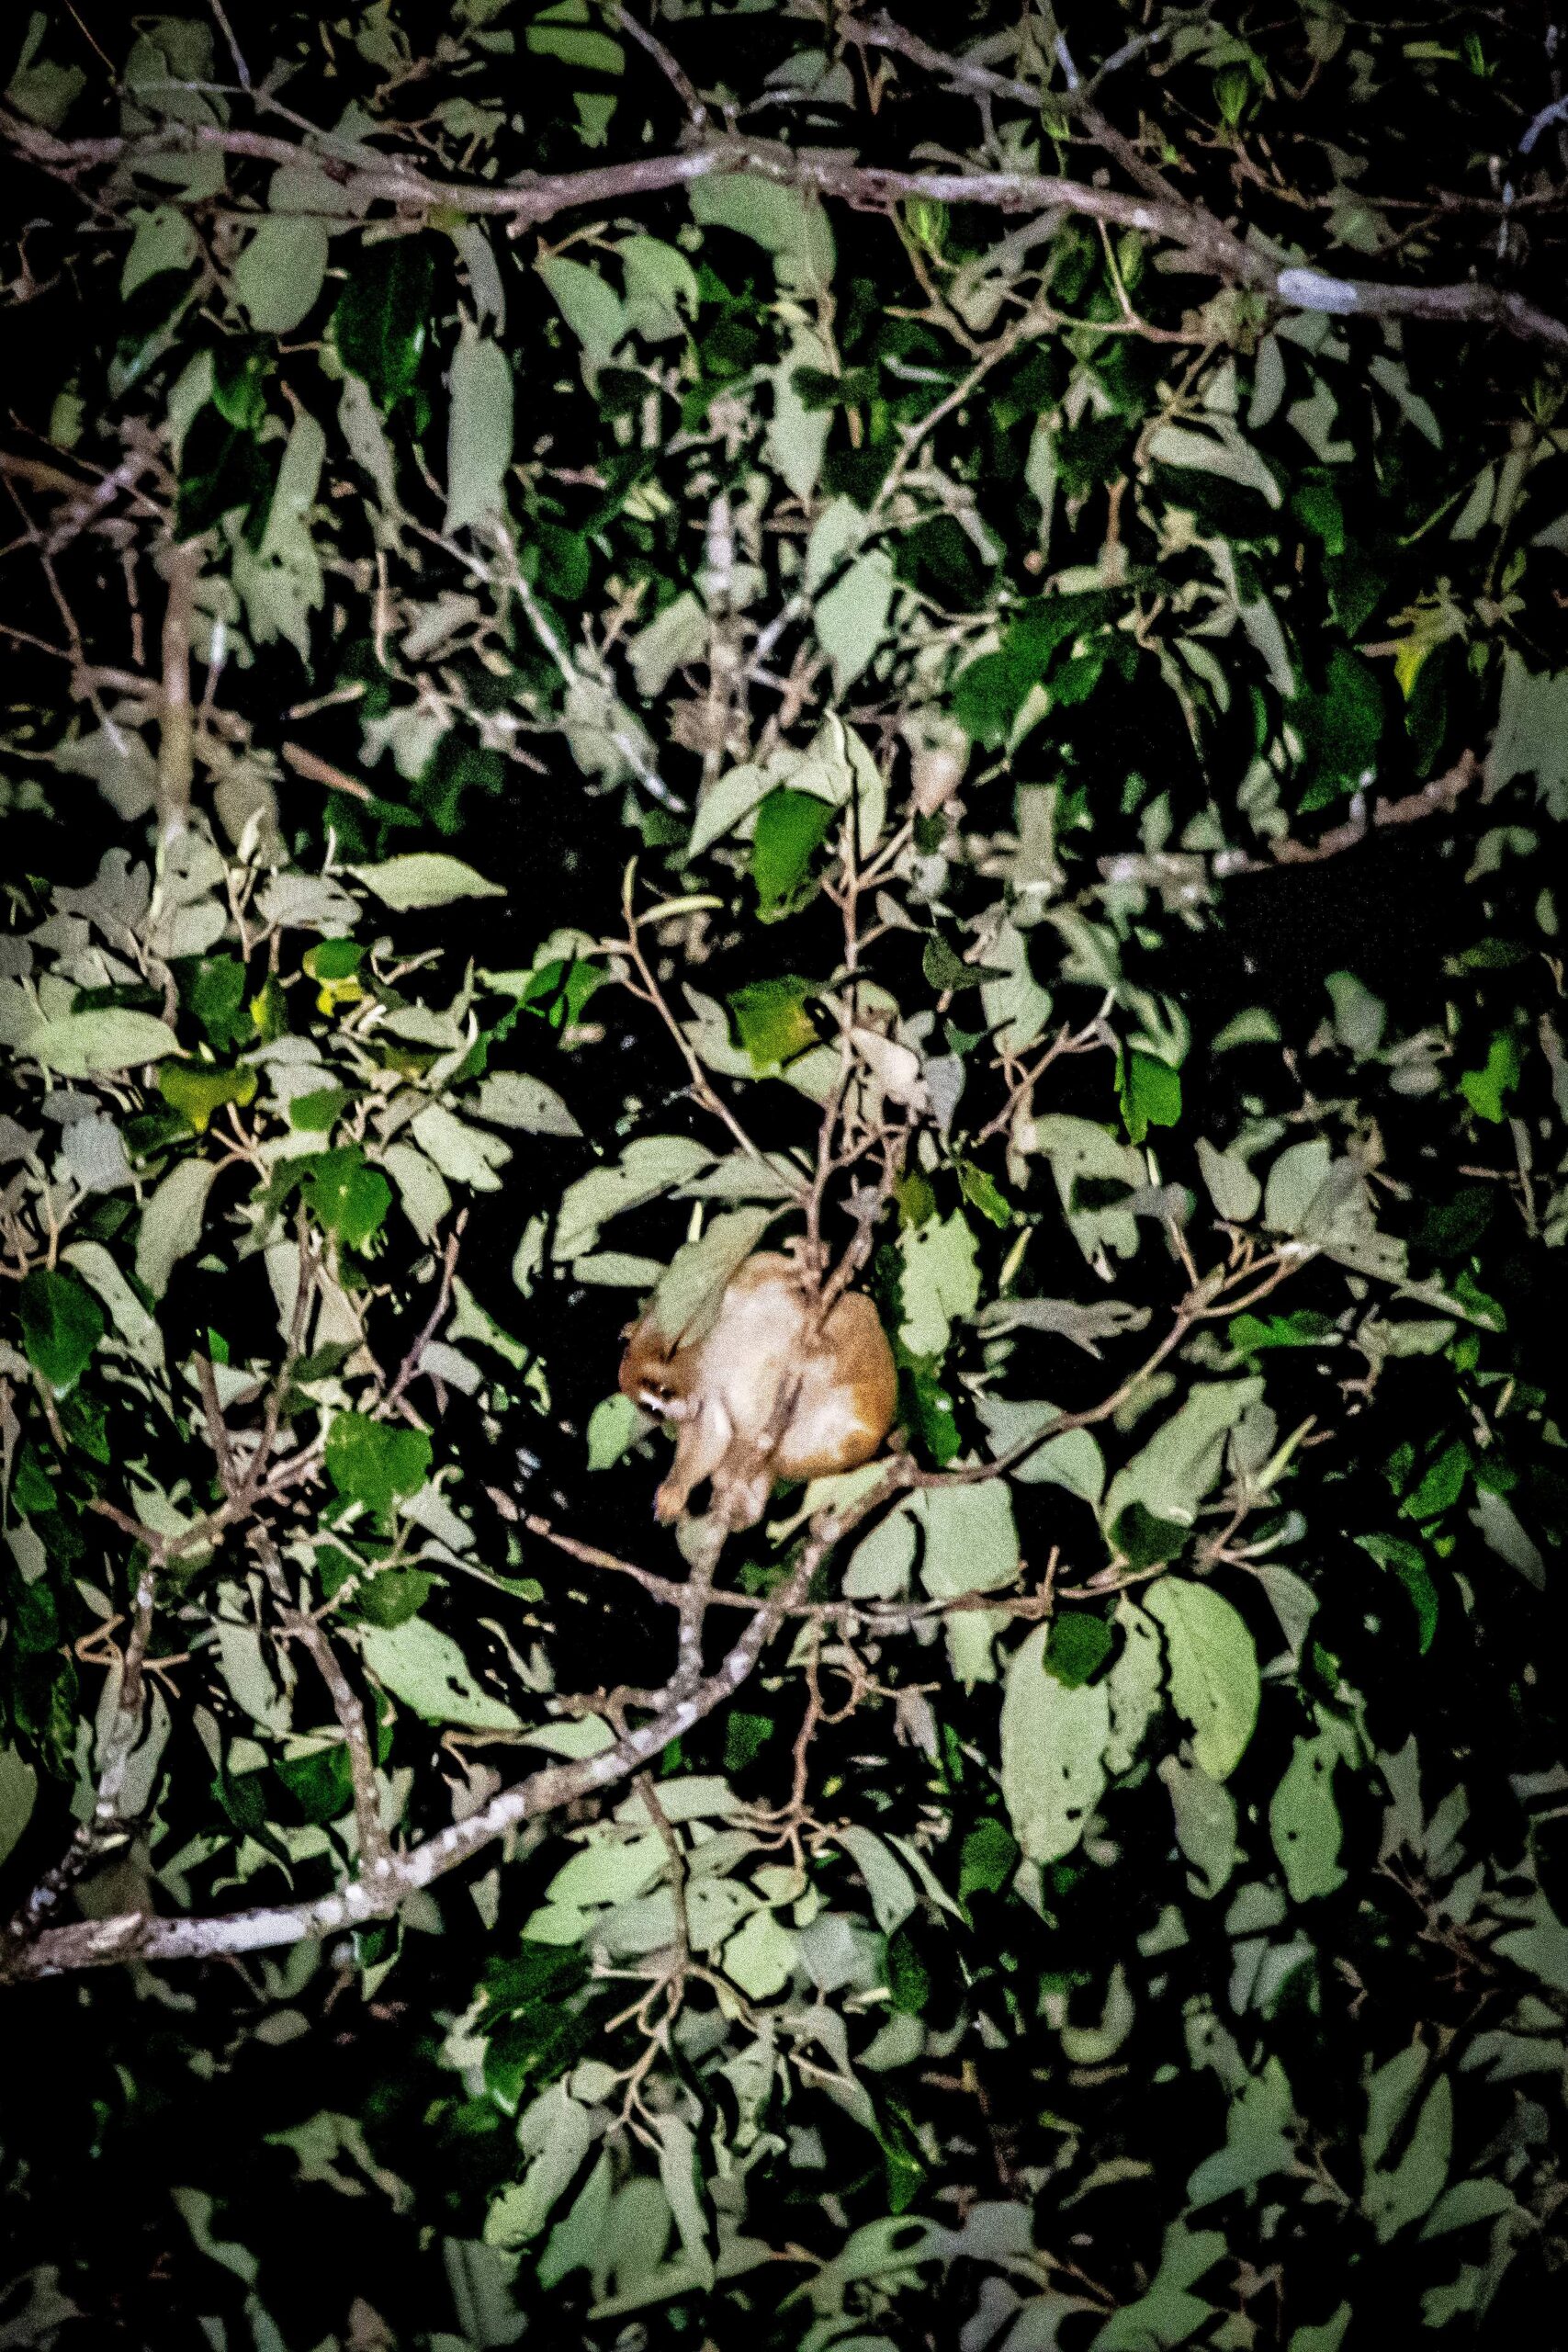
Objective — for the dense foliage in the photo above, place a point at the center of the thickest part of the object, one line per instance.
(625, 642)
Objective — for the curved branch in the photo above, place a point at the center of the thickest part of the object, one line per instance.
(135, 1935)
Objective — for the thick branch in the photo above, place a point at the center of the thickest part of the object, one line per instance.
(535, 198)
(1187, 871)
(101, 1943)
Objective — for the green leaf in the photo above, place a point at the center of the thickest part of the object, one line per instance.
(1486, 1090)
(908, 1978)
(851, 618)
(1214, 1670)
(392, 1596)
(1251, 1334)
(980, 1191)
(212, 988)
(1341, 728)
(1204, 1812)
(319, 1111)
(989, 1858)
(927, 1407)
(591, 51)
(1052, 1750)
(335, 959)
(1441, 1485)
(1080, 1644)
(87, 1045)
(990, 694)
(940, 1280)
(772, 1022)
(744, 1738)
(1146, 1541)
(346, 1195)
(1181, 1461)
(370, 1463)
(278, 276)
(479, 442)
(591, 308)
(196, 1090)
(425, 878)
(62, 1324)
(790, 829)
(425, 1667)
(1149, 1093)
(1405, 1561)
(1304, 1820)
(19, 1792)
(380, 323)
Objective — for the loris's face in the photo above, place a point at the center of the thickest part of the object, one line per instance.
(654, 1394)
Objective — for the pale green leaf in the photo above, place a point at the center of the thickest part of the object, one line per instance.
(512, 1099)
(673, 638)
(171, 1221)
(797, 436)
(1214, 1670)
(1304, 1820)
(651, 1165)
(892, 1895)
(788, 222)
(1053, 1753)
(1073, 1460)
(1233, 1189)
(555, 2134)
(1392, 2199)
(425, 878)
(686, 1299)
(83, 1045)
(462, 1153)
(1133, 1684)
(1296, 1180)
(1256, 2141)
(1224, 451)
(760, 1957)
(479, 443)
(164, 239)
(614, 1425)
(1017, 1008)
(18, 1791)
(138, 1329)
(423, 1666)
(278, 276)
(1175, 1469)
(940, 1280)
(1205, 1821)
(661, 287)
(591, 308)
(852, 617)
(421, 1189)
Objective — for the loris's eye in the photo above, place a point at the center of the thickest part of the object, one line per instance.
(652, 1397)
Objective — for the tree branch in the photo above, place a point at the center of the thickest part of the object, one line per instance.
(136, 1935)
(527, 202)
